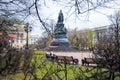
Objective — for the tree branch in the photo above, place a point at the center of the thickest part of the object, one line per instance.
(43, 23)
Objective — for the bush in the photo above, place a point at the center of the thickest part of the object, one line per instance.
(38, 52)
(12, 60)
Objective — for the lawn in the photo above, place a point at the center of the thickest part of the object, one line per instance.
(42, 69)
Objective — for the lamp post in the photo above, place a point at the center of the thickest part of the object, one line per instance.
(27, 30)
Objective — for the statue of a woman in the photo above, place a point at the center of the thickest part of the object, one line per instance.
(60, 17)
(59, 28)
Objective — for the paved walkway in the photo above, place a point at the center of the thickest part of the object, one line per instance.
(79, 55)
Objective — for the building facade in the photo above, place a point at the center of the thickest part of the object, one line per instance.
(19, 41)
(98, 33)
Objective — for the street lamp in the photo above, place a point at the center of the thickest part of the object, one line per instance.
(27, 29)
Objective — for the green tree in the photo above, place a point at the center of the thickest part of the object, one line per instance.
(90, 38)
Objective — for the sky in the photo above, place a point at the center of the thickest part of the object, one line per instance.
(93, 20)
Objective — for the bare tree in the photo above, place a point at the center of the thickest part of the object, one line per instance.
(110, 43)
(115, 30)
(26, 8)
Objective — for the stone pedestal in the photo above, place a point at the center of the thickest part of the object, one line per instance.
(60, 42)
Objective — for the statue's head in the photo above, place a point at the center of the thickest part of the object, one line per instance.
(60, 17)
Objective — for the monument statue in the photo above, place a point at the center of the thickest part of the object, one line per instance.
(59, 28)
(60, 17)
(60, 32)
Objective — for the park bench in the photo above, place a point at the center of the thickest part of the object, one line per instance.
(66, 59)
(61, 59)
(87, 61)
(69, 59)
(75, 61)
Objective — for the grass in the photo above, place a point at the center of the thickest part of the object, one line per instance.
(41, 68)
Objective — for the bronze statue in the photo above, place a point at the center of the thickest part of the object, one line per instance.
(60, 38)
(60, 17)
(59, 28)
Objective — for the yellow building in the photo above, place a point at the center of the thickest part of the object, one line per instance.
(20, 36)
